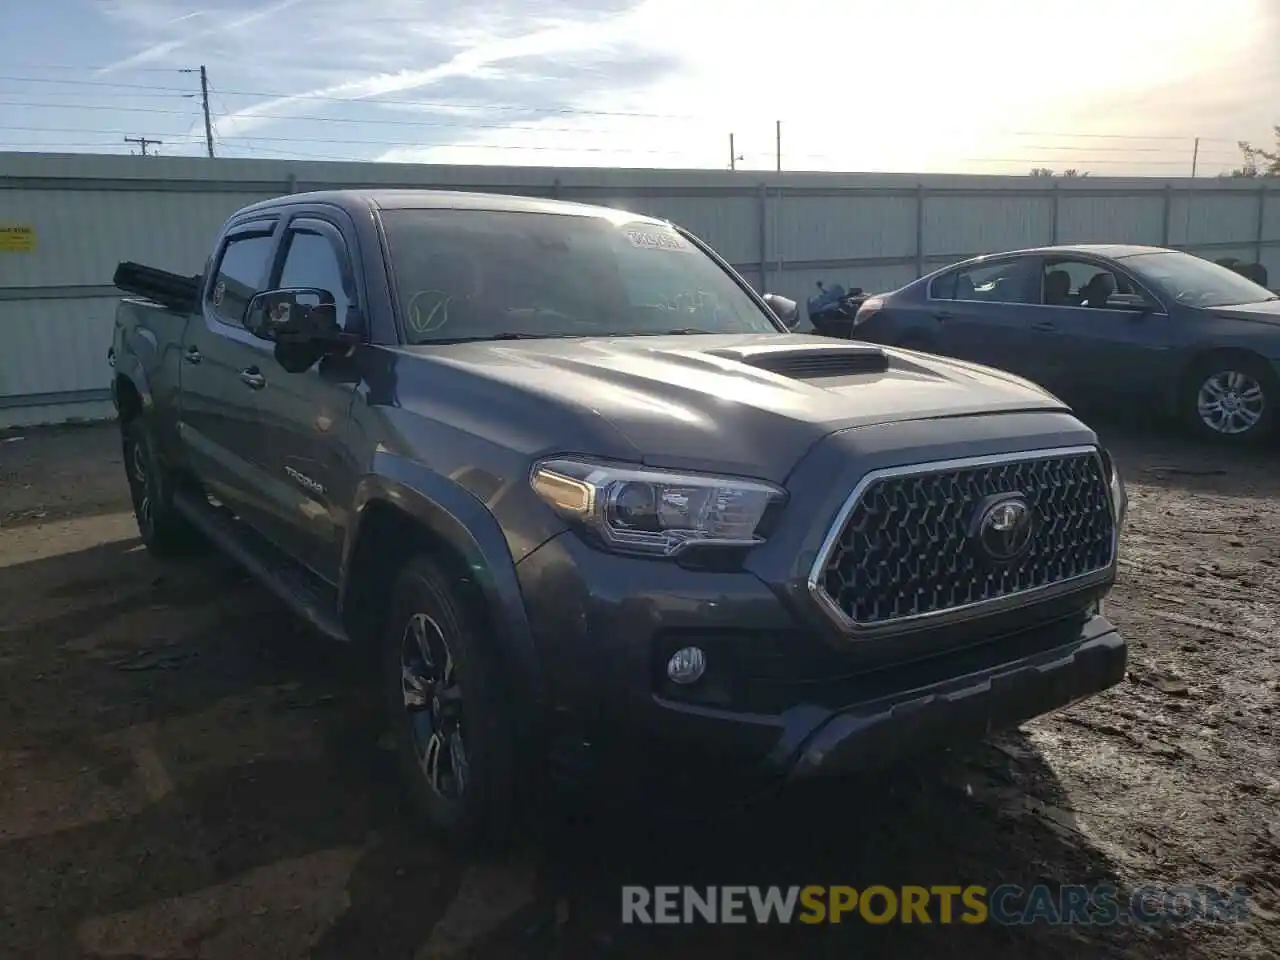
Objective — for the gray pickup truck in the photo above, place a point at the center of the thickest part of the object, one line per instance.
(603, 516)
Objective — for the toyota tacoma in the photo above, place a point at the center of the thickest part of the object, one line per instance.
(603, 516)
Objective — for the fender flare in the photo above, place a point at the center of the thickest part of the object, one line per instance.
(128, 367)
(465, 524)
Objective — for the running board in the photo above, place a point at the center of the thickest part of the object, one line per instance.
(305, 593)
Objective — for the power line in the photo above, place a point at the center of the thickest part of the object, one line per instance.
(566, 111)
(1030, 161)
(1037, 159)
(83, 68)
(459, 124)
(536, 125)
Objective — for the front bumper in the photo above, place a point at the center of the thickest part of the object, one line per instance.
(963, 709)
(786, 705)
(788, 693)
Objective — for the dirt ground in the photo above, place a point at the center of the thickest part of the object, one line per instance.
(186, 772)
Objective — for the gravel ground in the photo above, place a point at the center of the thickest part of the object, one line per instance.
(186, 772)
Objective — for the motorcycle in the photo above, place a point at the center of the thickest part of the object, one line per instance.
(832, 309)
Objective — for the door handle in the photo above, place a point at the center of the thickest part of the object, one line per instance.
(943, 315)
(252, 378)
(1044, 326)
(193, 355)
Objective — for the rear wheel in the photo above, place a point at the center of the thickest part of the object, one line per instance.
(163, 530)
(449, 720)
(1230, 399)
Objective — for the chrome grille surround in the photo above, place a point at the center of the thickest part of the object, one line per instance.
(871, 578)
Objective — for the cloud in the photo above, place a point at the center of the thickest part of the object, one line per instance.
(565, 37)
(146, 15)
(911, 85)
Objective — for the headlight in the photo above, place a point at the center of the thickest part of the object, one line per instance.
(655, 512)
(1119, 496)
(869, 308)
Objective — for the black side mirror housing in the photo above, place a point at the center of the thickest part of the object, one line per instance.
(788, 311)
(1133, 302)
(296, 316)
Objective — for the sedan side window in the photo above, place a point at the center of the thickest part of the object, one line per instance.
(1081, 283)
(1007, 281)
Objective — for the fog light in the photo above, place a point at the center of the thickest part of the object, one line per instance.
(687, 665)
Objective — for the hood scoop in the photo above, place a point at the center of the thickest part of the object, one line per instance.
(808, 363)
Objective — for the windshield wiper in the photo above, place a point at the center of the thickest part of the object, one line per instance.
(492, 336)
(679, 331)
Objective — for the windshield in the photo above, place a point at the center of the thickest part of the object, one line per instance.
(474, 275)
(1194, 281)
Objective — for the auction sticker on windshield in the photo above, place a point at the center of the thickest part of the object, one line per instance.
(650, 238)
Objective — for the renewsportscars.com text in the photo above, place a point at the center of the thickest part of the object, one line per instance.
(1007, 904)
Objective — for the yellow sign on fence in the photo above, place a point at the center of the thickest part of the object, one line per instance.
(17, 238)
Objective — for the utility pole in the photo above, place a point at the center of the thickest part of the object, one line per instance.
(143, 143)
(733, 155)
(204, 102)
(778, 139)
(1195, 157)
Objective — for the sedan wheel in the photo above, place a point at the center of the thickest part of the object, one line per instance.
(1231, 403)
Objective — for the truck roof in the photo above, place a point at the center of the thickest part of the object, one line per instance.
(356, 200)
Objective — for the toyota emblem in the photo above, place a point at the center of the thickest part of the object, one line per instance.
(1005, 528)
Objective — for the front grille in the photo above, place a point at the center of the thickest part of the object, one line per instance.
(907, 547)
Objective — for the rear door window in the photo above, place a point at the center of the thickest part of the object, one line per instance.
(1006, 281)
(242, 273)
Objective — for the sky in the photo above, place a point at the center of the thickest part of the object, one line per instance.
(1111, 87)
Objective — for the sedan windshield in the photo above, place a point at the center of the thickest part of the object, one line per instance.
(1195, 281)
(489, 275)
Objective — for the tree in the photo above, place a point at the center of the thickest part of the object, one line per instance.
(1046, 172)
(1259, 162)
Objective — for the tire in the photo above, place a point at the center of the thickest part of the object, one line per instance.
(164, 532)
(1247, 383)
(466, 795)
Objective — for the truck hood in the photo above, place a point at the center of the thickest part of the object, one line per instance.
(705, 402)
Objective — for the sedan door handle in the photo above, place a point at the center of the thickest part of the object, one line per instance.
(1044, 326)
(252, 378)
(193, 355)
(943, 315)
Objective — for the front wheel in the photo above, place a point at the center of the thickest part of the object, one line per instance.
(1231, 399)
(449, 720)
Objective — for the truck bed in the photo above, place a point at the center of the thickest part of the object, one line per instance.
(170, 290)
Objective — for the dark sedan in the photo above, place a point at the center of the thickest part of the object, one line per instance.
(1106, 326)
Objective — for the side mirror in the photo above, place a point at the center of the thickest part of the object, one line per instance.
(299, 315)
(1133, 302)
(788, 311)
